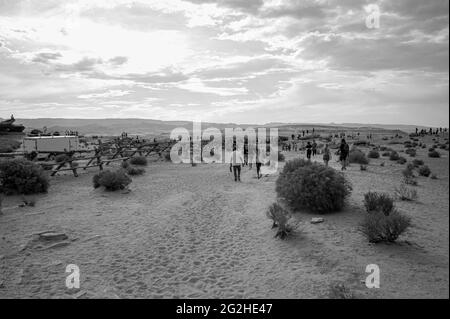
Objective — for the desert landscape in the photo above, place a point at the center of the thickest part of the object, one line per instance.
(183, 231)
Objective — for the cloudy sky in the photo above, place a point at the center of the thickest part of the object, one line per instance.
(243, 61)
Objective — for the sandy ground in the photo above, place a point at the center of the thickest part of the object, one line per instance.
(192, 232)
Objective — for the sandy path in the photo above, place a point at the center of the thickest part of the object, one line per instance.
(193, 232)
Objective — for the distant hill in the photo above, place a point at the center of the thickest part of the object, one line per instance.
(149, 127)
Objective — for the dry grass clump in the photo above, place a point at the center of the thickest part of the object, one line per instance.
(374, 201)
(373, 154)
(111, 180)
(394, 156)
(139, 160)
(424, 171)
(405, 193)
(281, 219)
(358, 157)
(434, 154)
(383, 223)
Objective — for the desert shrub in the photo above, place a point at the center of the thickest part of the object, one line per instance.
(382, 164)
(281, 220)
(61, 158)
(394, 156)
(411, 152)
(281, 157)
(405, 193)
(8, 145)
(408, 172)
(374, 202)
(434, 176)
(294, 164)
(402, 160)
(111, 180)
(23, 177)
(363, 167)
(417, 163)
(125, 165)
(431, 149)
(167, 156)
(135, 171)
(313, 186)
(358, 157)
(386, 154)
(424, 171)
(340, 291)
(410, 180)
(373, 154)
(434, 154)
(139, 160)
(377, 227)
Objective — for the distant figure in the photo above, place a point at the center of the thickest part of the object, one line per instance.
(308, 150)
(235, 163)
(344, 151)
(314, 148)
(258, 164)
(326, 155)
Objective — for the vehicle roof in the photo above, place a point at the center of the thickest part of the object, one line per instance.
(50, 137)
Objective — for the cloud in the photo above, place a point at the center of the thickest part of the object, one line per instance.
(226, 60)
(46, 57)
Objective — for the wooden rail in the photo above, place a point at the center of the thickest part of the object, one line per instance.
(102, 156)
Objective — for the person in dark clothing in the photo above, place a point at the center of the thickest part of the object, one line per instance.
(314, 148)
(308, 150)
(258, 164)
(344, 151)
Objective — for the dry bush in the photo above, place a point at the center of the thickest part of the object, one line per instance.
(340, 291)
(281, 220)
(111, 180)
(312, 186)
(363, 167)
(424, 171)
(125, 164)
(434, 176)
(401, 160)
(358, 157)
(377, 227)
(20, 176)
(394, 156)
(405, 193)
(374, 202)
(417, 163)
(411, 152)
(8, 145)
(133, 171)
(373, 154)
(434, 154)
(139, 160)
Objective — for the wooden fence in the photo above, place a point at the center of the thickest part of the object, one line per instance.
(105, 154)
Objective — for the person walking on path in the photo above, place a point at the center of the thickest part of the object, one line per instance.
(314, 148)
(344, 151)
(236, 161)
(308, 151)
(326, 155)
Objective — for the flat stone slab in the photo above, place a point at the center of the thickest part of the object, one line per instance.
(317, 220)
(52, 236)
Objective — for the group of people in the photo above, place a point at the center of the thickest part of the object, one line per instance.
(238, 160)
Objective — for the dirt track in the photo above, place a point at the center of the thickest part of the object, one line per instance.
(193, 232)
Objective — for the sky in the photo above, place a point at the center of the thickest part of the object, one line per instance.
(241, 61)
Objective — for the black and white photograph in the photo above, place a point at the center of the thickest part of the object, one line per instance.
(240, 152)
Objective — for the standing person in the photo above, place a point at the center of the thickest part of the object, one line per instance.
(314, 148)
(326, 155)
(308, 150)
(236, 162)
(343, 154)
(258, 164)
